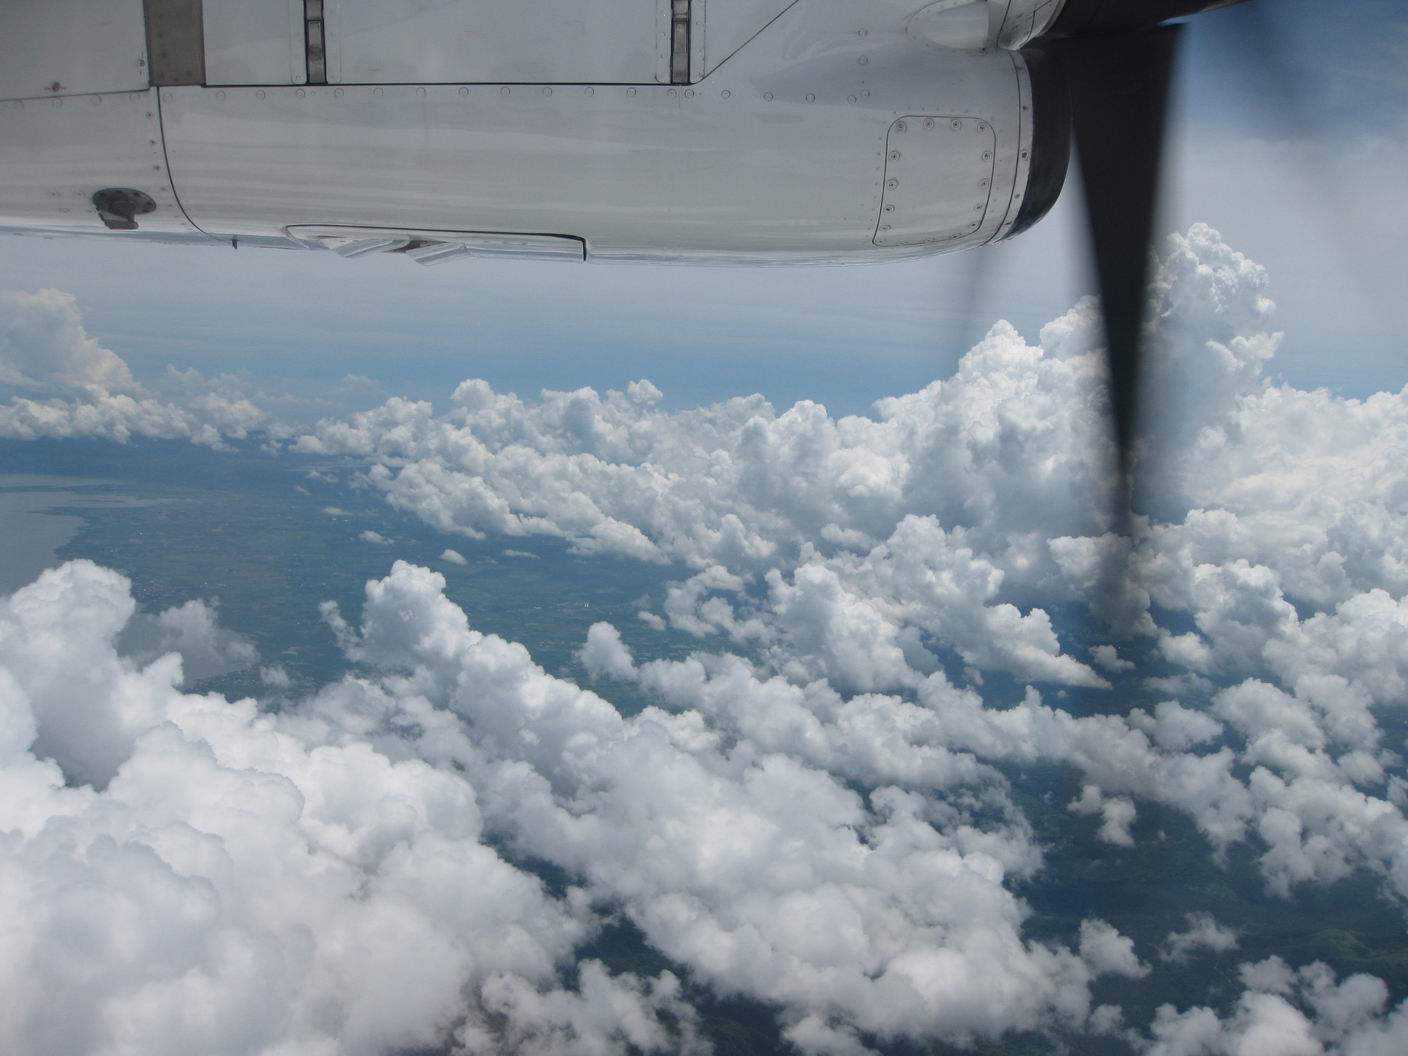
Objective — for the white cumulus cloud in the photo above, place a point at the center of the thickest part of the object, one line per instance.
(71, 386)
(166, 853)
(815, 810)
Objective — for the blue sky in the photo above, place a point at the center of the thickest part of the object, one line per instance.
(1308, 186)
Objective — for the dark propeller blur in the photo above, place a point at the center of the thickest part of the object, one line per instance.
(1116, 59)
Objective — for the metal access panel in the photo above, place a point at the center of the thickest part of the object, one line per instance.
(938, 179)
(506, 41)
(58, 153)
(720, 27)
(254, 42)
(632, 172)
(71, 47)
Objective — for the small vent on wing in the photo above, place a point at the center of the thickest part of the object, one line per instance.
(437, 247)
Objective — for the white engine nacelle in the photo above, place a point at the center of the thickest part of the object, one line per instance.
(737, 130)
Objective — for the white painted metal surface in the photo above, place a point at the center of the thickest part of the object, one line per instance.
(938, 179)
(1015, 191)
(721, 27)
(57, 152)
(538, 41)
(254, 42)
(762, 173)
(71, 47)
(628, 173)
(963, 25)
(782, 154)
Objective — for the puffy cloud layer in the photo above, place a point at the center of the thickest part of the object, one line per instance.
(761, 872)
(43, 345)
(1012, 438)
(181, 873)
(323, 878)
(1257, 614)
(1013, 442)
(193, 632)
(865, 620)
(81, 389)
(991, 486)
(1300, 776)
(1204, 933)
(1283, 1012)
(814, 810)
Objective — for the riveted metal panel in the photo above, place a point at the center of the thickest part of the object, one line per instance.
(175, 42)
(938, 179)
(541, 41)
(770, 159)
(721, 27)
(59, 152)
(254, 42)
(71, 47)
(627, 169)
